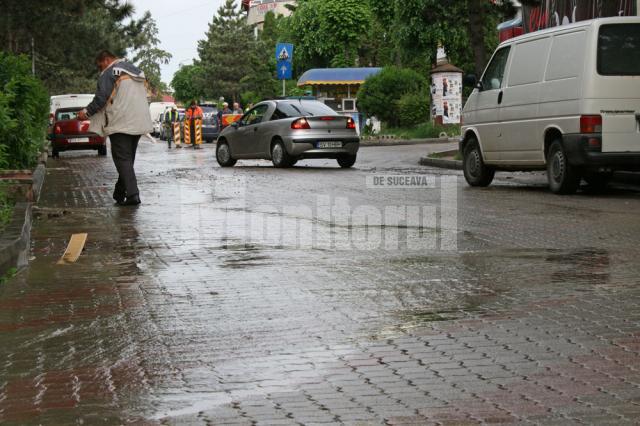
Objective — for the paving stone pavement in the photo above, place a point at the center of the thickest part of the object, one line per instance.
(179, 312)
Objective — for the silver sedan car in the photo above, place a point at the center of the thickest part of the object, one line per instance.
(285, 131)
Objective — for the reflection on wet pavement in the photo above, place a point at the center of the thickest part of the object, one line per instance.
(174, 312)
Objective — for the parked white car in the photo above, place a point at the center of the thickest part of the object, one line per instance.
(566, 99)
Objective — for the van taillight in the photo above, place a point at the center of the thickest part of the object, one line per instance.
(57, 130)
(351, 124)
(591, 124)
(300, 124)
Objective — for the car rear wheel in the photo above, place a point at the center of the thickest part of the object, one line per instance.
(347, 161)
(102, 151)
(563, 177)
(223, 155)
(280, 157)
(55, 153)
(475, 171)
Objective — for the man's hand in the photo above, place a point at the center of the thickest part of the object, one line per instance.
(82, 115)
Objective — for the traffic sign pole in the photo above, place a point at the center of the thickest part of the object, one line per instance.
(284, 58)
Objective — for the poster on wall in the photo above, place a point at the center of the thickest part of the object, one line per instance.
(446, 97)
(551, 13)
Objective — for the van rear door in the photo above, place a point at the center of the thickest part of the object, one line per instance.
(618, 66)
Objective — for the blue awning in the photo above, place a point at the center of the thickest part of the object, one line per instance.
(336, 76)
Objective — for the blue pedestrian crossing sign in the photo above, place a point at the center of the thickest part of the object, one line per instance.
(284, 52)
(284, 70)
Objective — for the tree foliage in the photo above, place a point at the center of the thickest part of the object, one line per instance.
(226, 53)
(329, 32)
(67, 34)
(380, 93)
(187, 83)
(24, 108)
(146, 53)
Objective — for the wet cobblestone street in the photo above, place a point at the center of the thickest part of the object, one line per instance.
(510, 304)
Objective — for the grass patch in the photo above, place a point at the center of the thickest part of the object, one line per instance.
(423, 131)
(6, 206)
(12, 272)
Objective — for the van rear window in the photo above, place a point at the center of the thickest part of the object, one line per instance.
(618, 47)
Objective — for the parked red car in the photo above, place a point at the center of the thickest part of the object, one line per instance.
(69, 133)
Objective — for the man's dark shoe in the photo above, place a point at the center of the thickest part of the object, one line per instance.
(119, 197)
(134, 200)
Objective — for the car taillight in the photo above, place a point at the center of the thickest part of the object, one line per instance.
(591, 124)
(57, 130)
(300, 124)
(327, 118)
(351, 124)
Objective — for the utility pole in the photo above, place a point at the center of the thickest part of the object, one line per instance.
(33, 56)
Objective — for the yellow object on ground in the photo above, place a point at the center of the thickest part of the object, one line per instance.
(198, 130)
(74, 249)
(187, 132)
(177, 138)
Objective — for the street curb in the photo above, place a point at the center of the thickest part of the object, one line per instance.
(441, 163)
(400, 142)
(15, 241)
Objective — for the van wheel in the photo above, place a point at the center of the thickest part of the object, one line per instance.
(102, 151)
(475, 171)
(563, 177)
(223, 155)
(55, 153)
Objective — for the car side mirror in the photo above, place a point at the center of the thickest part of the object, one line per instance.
(235, 124)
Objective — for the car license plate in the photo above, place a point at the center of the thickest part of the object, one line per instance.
(78, 140)
(330, 144)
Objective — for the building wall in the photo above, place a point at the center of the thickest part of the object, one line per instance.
(259, 8)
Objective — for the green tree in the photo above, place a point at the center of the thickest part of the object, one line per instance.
(65, 36)
(187, 83)
(146, 53)
(226, 53)
(380, 93)
(329, 32)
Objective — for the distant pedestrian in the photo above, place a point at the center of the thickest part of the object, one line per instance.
(120, 110)
(224, 111)
(170, 118)
(193, 113)
(237, 109)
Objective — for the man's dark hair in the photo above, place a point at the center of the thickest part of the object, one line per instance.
(104, 54)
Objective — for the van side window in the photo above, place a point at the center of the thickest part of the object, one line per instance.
(492, 78)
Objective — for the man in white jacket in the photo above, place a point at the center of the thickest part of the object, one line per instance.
(120, 110)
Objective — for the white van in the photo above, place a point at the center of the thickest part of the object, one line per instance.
(68, 101)
(566, 99)
(156, 109)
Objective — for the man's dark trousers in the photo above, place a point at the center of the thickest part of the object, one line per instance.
(123, 151)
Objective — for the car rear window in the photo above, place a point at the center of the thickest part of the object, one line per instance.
(303, 108)
(67, 115)
(618, 47)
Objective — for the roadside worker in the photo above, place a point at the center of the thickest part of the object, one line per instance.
(224, 111)
(120, 110)
(193, 113)
(170, 119)
(237, 109)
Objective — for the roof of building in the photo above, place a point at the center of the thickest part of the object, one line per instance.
(336, 76)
